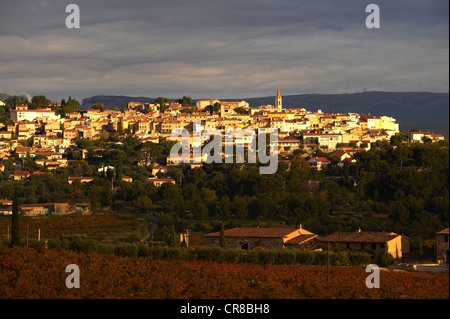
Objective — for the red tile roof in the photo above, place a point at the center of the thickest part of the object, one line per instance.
(321, 159)
(361, 237)
(21, 173)
(265, 232)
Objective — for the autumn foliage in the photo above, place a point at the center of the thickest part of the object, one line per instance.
(40, 273)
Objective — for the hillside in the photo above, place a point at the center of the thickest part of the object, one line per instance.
(112, 101)
(409, 107)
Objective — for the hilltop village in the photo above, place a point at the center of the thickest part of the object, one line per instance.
(48, 137)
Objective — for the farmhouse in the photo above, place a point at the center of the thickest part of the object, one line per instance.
(368, 240)
(159, 181)
(269, 238)
(56, 208)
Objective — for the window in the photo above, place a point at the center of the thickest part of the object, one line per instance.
(374, 246)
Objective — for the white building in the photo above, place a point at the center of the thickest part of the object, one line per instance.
(23, 114)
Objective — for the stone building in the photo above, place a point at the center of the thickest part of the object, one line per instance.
(368, 241)
(442, 245)
(269, 238)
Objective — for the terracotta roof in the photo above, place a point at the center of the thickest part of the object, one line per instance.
(81, 178)
(361, 237)
(443, 232)
(21, 173)
(272, 232)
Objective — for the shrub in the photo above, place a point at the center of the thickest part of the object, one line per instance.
(58, 243)
(132, 238)
(339, 258)
(248, 257)
(126, 250)
(144, 250)
(321, 258)
(385, 259)
(105, 249)
(285, 257)
(266, 257)
(207, 254)
(33, 243)
(360, 259)
(305, 257)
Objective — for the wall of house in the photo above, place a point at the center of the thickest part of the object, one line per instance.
(394, 247)
(235, 242)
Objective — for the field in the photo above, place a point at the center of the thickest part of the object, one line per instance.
(40, 273)
(95, 225)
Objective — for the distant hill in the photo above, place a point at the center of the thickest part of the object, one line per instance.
(406, 107)
(112, 101)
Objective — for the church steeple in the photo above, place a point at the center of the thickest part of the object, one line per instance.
(278, 101)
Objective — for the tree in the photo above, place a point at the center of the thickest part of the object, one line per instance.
(119, 171)
(162, 101)
(242, 110)
(346, 170)
(223, 243)
(120, 128)
(185, 101)
(225, 206)
(100, 107)
(15, 221)
(213, 108)
(39, 101)
(385, 259)
(172, 238)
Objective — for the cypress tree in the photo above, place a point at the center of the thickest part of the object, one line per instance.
(15, 221)
(119, 172)
(172, 238)
(223, 243)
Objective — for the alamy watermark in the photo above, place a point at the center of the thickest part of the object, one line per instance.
(372, 20)
(73, 19)
(73, 280)
(373, 280)
(237, 138)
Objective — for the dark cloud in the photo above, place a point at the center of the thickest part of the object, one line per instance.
(222, 48)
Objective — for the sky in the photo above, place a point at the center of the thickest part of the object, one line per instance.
(222, 49)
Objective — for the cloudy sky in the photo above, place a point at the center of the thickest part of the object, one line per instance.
(222, 48)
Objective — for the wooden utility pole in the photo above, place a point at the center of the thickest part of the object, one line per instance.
(27, 232)
(151, 250)
(328, 264)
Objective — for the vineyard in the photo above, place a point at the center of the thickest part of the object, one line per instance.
(98, 225)
(40, 273)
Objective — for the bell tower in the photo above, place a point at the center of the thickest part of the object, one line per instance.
(278, 101)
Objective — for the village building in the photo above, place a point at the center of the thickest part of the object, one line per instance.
(373, 241)
(159, 181)
(265, 237)
(318, 163)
